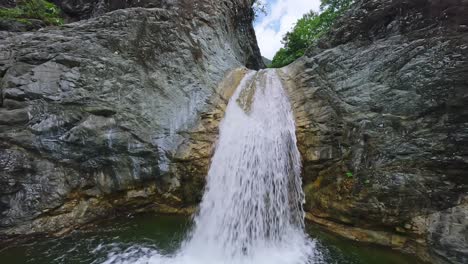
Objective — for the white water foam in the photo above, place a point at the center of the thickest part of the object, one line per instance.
(251, 211)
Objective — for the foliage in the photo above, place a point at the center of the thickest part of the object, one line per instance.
(309, 29)
(349, 174)
(43, 10)
(10, 13)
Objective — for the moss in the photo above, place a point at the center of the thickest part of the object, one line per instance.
(10, 13)
(42, 10)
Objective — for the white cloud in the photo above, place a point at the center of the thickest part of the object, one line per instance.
(280, 19)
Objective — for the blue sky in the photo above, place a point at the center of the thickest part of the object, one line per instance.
(281, 16)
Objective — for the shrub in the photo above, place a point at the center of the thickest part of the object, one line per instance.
(43, 10)
(307, 30)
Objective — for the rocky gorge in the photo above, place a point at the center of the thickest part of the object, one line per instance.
(118, 112)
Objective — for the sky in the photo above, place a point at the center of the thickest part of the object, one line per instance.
(281, 17)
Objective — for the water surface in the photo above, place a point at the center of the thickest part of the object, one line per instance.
(164, 233)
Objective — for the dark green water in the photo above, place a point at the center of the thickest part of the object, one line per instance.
(164, 233)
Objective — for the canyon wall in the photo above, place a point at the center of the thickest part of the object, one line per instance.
(119, 112)
(94, 115)
(382, 121)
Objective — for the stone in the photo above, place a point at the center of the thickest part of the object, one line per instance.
(120, 113)
(448, 233)
(14, 117)
(19, 25)
(116, 112)
(382, 98)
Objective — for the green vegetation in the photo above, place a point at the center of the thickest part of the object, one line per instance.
(349, 174)
(309, 29)
(43, 10)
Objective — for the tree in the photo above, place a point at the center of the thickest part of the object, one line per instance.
(307, 30)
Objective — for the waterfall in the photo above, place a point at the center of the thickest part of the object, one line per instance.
(251, 210)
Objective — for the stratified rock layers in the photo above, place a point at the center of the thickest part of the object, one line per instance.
(94, 115)
(382, 116)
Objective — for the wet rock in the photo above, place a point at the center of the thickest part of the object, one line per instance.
(94, 113)
(193, 155)
(380, 109)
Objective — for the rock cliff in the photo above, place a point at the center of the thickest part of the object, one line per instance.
(94, 115)
(382, 122)
(120, 112)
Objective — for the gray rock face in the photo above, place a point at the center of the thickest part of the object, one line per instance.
(74, 10)
(83, 9)
(448, 232)
(92, 113)
(382, 116)
(120, 112)
(17, 26)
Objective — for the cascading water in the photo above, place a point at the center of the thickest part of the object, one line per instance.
(251, 211)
